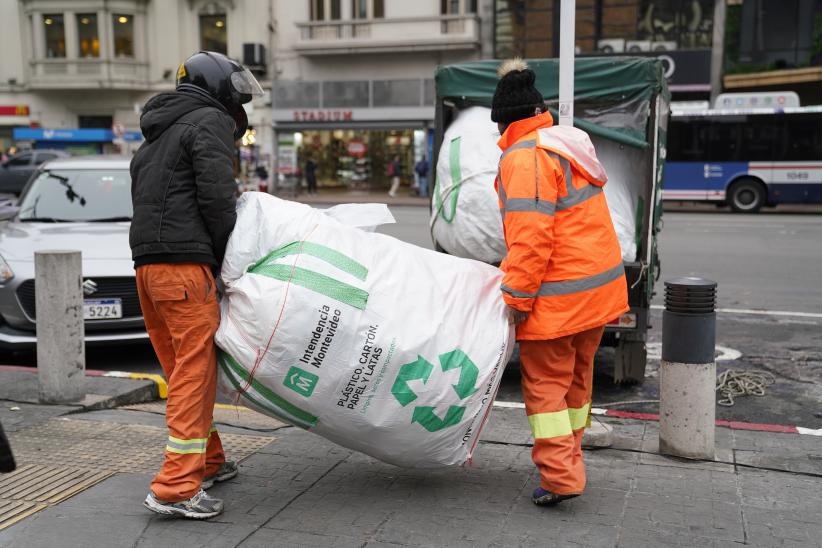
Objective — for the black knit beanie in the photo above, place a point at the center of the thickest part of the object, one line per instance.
(516, 98)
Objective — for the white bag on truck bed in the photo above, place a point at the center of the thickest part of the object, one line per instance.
(465, 219)
(375, 344)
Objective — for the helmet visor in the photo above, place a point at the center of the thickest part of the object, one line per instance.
(244, 82)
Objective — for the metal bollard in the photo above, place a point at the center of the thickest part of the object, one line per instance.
(61, 350)
(687, 372)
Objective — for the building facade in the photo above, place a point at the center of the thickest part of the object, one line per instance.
(73, 66)
(354, 84)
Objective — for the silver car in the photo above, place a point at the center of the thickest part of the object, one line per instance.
(79, 203)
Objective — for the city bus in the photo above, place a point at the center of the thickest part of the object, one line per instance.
(746, 158)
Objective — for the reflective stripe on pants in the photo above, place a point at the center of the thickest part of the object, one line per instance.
(556, 385)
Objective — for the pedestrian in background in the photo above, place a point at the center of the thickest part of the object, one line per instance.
(183, 193)
(311, 175)
(262, 178)
(395, 172)
(421, 170)
(564, 278)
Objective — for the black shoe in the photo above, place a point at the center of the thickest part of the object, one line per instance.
(200, 506)
(544, 497)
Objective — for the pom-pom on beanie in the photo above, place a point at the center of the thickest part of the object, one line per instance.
(516, 98)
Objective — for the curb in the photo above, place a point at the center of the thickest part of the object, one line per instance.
(733, 425)
(140, 395)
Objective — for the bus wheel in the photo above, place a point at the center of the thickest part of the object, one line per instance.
(746, 196)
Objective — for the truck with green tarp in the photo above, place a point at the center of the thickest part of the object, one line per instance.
(623, 104)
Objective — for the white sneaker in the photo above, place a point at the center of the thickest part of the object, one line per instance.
(200, 506)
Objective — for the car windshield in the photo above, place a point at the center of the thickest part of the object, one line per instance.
(70, 195)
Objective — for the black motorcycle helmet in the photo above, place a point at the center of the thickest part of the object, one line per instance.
(223, 79)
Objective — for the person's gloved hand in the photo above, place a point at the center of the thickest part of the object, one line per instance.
(516, 317)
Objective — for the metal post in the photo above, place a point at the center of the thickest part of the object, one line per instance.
(687, 372)
(718, 50)
(61, 353)
(567, 26)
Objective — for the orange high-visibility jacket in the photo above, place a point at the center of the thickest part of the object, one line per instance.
(564, 264)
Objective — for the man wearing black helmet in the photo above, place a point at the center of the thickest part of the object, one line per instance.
(183, 194)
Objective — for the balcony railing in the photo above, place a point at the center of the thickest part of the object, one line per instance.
(389, 35)
(64, 73)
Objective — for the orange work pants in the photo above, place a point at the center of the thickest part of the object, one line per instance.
(180, 309)
(557, 378)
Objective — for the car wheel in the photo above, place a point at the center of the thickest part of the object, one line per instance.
(746, 196)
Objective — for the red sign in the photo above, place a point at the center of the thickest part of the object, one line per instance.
(357, 148)
(14, 110)
(323, 116)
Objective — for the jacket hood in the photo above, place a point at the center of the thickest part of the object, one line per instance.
(574, 145)
(162, 110)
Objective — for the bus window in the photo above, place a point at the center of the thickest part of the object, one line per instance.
(803, 138)
(760, 138)
(687, 140)
(723, 140)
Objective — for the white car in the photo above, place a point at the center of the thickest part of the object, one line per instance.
(81, 203)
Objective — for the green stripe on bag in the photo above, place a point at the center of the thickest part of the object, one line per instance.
(337, 290)
(282, 407)
(331, 256)
(456, 182)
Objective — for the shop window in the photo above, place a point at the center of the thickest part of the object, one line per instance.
(55, 35)
(671, 24)
(95, 122)
(214, 32)
(345, 94)
(396, 93)
(123, 35)
(88, 41)
(288, 95)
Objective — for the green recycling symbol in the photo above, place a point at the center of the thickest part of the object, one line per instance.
(421, 369)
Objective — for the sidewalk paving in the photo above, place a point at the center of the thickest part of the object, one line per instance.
(297, 489)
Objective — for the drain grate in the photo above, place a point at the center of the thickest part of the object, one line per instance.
(34, 487)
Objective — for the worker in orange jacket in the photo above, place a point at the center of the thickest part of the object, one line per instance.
(564, 278)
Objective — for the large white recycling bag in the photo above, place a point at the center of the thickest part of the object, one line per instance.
(465, 217)
(373, 343)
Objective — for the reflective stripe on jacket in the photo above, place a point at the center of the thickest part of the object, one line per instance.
(564, 264)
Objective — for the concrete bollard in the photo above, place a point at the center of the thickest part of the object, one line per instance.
(61, 350)
(687, 372)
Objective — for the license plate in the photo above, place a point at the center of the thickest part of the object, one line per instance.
(102, 309)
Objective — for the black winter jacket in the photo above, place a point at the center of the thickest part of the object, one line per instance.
(182, 181)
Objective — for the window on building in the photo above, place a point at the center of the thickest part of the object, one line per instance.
(55, 35)
(317, 10)
(123, 35)
(214, 33)
(88, 41)
(527, 29)
(95, 121)
(335, 10)
(359, 9)
(345, 94)
(450, 7)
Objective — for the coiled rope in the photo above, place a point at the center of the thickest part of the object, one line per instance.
(734, 383)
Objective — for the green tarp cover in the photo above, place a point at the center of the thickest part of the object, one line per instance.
(611, 94)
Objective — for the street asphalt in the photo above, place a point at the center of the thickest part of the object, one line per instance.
(767, 262)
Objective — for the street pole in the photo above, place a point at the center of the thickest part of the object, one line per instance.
(61, 351)
(598, 434)
(718, 49)
(567, 16)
